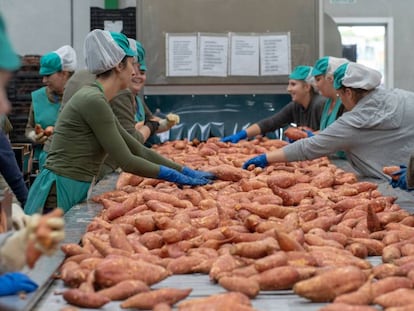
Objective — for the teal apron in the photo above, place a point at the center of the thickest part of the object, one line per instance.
(45, 113)
(69, 192)
(140, 114)
(327, 119)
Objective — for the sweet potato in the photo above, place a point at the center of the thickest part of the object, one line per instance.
(256, 249)
(358, 250)
(267, 210)
(247, 286)
(362, 296)
(183, 264)
(72, 274)
(43, 237)
(148, 300)
(295, 133)
(283, 277)
(84, 299)
(114, 270)
(162, 307)
(118, 239)
(71, 249)
(124, 289)
(216, 302)
(386, 270)
(398, 297)
(281, 179)
(222, 264)
(276, 260)
(287, 243)
(326, 286)
(389, 170)
(389, 284)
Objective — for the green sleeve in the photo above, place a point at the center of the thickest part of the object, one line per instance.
(122, 106)
(147, 153)
(131, 155)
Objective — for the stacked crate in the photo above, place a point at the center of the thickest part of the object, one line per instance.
(24, 81)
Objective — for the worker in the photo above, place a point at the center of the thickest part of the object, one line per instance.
(375, 131)
(132, 113)
(13, 244)
(82, 139)
(56, 68)
(9, 168)
(323, 71)
(305, 109)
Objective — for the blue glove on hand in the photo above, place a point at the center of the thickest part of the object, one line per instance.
(310, 133)
(197, 174)
(259, 161)
(235, 138)
(401, 182)
(14, 282)
(172, 175)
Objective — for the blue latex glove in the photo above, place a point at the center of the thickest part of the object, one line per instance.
(310, 133)
(259, 161)
(14, 282)
(401, 182)
(197, 174)
(172, 175)
(235, 138)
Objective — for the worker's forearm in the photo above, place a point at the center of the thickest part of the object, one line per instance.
(276, 156)
(253, 130)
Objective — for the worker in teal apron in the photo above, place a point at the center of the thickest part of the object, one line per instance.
(323, 72)
(56, 68)
(87, 131)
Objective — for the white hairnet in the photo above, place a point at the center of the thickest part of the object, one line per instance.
(361, 77)
(132, 44)
(334, 63)
(101, 51)
(67, 57)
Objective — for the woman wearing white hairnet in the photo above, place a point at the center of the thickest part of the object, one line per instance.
(14, 244)
(376, 130)
(87, 131)
(304, 110)
(56, 68)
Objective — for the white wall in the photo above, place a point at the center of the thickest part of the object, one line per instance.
(36, 27)
(401, 12)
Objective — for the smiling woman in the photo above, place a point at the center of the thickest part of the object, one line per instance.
(304, 110)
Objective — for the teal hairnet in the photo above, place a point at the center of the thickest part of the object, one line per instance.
(123, 42)
(301, 73)
(327, 65)
(137, 47)
(141, 56)
(104, 50)
(8, 58)
(356, 76)
(63, 59)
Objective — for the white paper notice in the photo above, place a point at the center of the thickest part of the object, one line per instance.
(274, 55)
(244, 60)
(213, 56)
(182, 56)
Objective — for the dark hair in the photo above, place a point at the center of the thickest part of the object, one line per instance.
(357, 93)
(107, 73)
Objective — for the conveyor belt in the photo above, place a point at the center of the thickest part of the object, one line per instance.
(45, 299)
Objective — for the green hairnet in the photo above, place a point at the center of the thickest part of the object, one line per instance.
(327, 65)
(8, 58)
(301, 73)
(141, 56)
(123, 42)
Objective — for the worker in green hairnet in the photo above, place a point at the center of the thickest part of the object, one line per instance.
(56, 68)
(304, 110)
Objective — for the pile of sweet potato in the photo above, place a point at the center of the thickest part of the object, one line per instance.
(307, 226)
